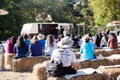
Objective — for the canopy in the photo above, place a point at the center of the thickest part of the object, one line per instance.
(3, 12)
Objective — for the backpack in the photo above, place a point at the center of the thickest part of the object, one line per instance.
(56, 71)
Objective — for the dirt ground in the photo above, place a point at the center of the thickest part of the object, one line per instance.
(8, 75)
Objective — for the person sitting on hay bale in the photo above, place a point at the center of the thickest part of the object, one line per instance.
(87, 49)
(112, 41)
(65, 55)
(50, 45)
(35, 47)
(20, 48)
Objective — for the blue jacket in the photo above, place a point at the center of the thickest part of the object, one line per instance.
(87, 51)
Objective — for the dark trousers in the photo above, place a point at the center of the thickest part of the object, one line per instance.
(68, 70)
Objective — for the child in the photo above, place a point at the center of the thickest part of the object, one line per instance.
(2, 50)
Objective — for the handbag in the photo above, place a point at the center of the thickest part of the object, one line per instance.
(57, 71)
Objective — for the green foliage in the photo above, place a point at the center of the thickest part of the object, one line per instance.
(105, 11)
(25, 11)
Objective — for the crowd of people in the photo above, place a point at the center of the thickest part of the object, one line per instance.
(60, 49)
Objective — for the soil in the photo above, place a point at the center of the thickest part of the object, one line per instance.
(9, 75)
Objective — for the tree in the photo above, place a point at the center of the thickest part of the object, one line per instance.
(105, 11)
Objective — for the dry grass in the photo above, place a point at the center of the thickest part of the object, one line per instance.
(8, 75)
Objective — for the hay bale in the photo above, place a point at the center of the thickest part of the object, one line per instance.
(94, 76)
(39, 72)
(8, 60)
(107, 53)
(26, 63)
(96, 63)
(110, 73)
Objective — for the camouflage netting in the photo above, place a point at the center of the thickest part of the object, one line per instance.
(27, 63)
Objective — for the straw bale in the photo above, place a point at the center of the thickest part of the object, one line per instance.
(26, 63)
(8, 59)
(107, 53)
(94, 76)
(39, 72)
(97, 63)
(110, 73)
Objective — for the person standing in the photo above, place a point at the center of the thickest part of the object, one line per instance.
(2, 51)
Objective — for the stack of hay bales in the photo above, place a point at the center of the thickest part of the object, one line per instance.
(8, 60)
(107, 53)
(26, 63)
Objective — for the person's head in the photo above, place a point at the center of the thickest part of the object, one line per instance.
(60, 36)
(86, 38)
(50, 40)
(20, 42)
(65, 42)
(13, 40)
(25, 36)
(65, 33)
(40, 36)
(112, 35)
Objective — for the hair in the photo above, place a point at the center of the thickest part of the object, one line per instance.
(60, 36)
(34, 39)
(50, 40)
(20, 42)
(113, 34)
(0, 42)
(13, 40)
(25, 36)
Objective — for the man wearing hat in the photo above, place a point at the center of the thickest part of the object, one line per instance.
(64, 54)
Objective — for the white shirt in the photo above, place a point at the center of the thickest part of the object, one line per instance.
(49, 49)
(118, 38)
(67, 56)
